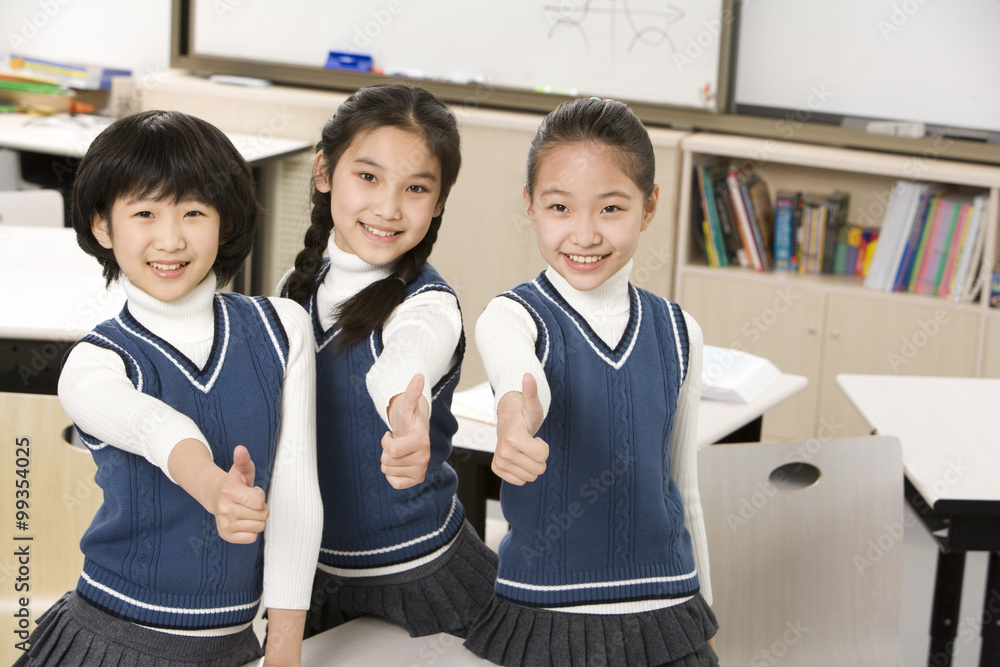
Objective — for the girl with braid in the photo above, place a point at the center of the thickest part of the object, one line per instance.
(389, 346)
(597, 385)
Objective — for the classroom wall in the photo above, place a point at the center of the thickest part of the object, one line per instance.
(113, 33)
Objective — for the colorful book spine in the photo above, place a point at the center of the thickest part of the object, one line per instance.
(954, 250)
(784, 235)
(746, 233)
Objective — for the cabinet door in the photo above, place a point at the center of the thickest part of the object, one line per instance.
(991, 358)
(879, 336)
(772, 319)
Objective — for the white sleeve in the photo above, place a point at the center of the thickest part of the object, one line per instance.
(684, 455)
(98, 396)
(505, 337)
(420, 336)
(294, 528)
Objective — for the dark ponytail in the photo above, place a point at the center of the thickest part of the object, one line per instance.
(385, 105)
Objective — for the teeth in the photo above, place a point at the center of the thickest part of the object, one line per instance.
(167, 267)
(378, 232)
(586, 259)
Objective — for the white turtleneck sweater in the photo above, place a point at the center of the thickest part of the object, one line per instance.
(419, 337)
(98, 396)
(505, 337)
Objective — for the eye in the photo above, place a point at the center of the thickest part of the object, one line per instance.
(365, 176)
(558, 208)
(143, 214)
(417, 188)
(611, 208)
(193, 214)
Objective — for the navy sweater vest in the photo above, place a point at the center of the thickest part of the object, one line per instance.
(604, 522)
(368, 523)
(152, 553)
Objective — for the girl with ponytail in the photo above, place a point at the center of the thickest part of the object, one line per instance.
(389, 341)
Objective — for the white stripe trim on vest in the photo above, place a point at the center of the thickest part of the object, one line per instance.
(270, 332)
(207, 387)
(680, 349)
(402, 545)
(635, 331)
(539, 322)
(170, 610)
(596, 584)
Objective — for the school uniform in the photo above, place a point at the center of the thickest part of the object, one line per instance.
(158, 582)
(406, 555)
(600, 566)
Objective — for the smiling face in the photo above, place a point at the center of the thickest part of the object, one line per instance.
(587, 212)
(384, 191)
(165, 248)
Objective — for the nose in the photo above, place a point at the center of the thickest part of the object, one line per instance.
(586, 232)
(170, 234)
(386, 205)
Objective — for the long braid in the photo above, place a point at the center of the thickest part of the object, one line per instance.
(300, 283)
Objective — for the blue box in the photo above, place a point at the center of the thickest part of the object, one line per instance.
(354, 62)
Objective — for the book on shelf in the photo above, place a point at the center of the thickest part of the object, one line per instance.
(787, 218)
(930, 242)
(736, 179)
(80, 76)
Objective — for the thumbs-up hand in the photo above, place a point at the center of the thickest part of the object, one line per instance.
(241, 508)
(520, 457)
(406, 449)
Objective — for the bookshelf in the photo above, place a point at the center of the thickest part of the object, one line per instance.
(821, 325)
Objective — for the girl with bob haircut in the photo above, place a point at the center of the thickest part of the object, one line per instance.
(597, 384)
(389, 341)
(198, 408)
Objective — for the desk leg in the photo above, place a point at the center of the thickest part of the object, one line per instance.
(989, 654)
(945, 611)
(471, 489)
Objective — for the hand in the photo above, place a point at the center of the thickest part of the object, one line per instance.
(520, 457)
(240, 508)
(406, 449)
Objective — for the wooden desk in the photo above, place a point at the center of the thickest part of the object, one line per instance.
(950, 435)
(718, 421)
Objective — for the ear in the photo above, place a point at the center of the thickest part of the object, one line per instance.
(649, 208)
(101, 230)
(319, 174)
(527, 206)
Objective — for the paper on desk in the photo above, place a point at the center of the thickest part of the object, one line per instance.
(475, 403)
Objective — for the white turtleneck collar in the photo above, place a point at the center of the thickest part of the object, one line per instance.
(187, 323)
(348, 275)
(605, 308)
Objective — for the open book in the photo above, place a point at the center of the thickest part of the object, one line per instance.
(734, 376)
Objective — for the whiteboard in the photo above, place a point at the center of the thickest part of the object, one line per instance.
(640, 50)
(902, 60)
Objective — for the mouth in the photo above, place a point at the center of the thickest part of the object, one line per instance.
(159, 266)
(380, 233)
(584, 259)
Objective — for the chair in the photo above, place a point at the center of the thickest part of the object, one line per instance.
(805, 546)
(38, 208)
(61, 500)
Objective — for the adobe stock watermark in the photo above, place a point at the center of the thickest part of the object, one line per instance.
(380, 20)
(776, 652)
(910, 346)
(706, 39)
(755, 327)
(899, 16)
(33, 24)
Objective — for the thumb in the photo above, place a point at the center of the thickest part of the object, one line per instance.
(411, 397)
(243, 464)
(529, 388)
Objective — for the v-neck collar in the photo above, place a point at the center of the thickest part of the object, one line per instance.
(613, 357)
(322, 336)
(202, 378)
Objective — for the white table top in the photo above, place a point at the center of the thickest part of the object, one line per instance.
(716, 419)
(948, 429)
(49, 288)
(373, 642)
(71, 136)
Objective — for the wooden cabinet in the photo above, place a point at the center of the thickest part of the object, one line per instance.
(823, 325)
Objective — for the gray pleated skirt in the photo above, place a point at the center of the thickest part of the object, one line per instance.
(75, 633)
(445, 595)
(513, 635)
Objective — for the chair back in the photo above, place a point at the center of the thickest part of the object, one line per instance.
(805, 547)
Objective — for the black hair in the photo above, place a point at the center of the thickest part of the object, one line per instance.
(166, 154)
(596, 121)
(407, 108)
